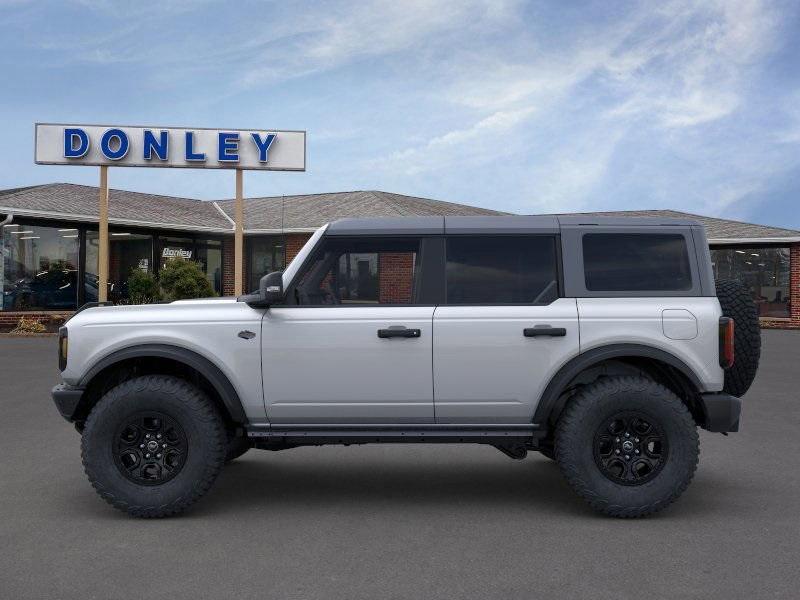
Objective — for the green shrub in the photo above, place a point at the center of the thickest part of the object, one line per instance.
(143, 287)
(181, 279)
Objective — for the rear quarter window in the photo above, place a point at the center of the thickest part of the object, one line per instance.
(617, 262)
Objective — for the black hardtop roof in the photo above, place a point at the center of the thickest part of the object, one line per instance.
(504, 224)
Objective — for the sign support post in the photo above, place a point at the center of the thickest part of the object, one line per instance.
(103, 254)
(238, 253)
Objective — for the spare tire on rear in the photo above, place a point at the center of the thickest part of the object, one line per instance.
(737, 303)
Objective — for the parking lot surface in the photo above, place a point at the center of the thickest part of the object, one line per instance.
(397, 521)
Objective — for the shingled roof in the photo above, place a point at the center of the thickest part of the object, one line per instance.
(719, 231)
(308, 212)
(72, 202)
(288, 213)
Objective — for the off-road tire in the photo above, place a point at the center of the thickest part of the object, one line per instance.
(586, 413)
(184, 404)
(737, 303)
(236, 447)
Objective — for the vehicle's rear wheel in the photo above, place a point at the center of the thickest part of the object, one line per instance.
(153, 445)
(547, 449)
(627, 445)
(737, 302)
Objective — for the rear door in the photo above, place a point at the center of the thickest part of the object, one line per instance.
(503, 330)
(354, 342)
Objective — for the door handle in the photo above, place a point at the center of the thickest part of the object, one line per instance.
(399, 331)
(543, 330)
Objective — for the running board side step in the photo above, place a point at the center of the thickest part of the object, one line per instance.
(409, 433)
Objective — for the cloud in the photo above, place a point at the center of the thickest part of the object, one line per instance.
(468, 146)
(328, 39)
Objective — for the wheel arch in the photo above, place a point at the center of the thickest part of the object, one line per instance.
(656, 363)
(166, 359)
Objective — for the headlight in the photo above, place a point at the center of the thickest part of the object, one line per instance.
(63, 347)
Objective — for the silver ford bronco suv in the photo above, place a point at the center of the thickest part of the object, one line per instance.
(602, 343)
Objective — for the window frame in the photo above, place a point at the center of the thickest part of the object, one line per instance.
(559, 271)
(428, 260)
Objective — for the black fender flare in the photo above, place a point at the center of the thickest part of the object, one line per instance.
(218, 380)
(548, 402)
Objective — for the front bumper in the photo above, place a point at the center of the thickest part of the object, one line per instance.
(722, 412)
(67, 399)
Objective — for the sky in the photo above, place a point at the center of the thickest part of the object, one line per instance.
(527, 107)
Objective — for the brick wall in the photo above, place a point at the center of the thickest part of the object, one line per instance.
(50, 319)
(396, 277)
(228, 267)
(294, 242)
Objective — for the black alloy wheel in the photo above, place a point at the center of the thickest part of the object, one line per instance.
(630, 448)
(150, 448)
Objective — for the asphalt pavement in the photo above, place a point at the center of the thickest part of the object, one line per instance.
(399, 521)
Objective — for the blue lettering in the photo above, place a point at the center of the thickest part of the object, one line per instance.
(190, 153)
(70, 137)
(228, 142)
(263, 145)
(159, 146)
(122, 144)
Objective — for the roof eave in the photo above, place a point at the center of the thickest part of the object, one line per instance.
(112, 220)
(755, 240)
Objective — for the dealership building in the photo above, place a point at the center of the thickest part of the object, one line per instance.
(50, 253)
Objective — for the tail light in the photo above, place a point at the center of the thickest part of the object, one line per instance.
(726, 327)
(63, 347)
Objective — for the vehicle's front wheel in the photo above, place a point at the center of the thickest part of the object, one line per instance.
(627, 445)
(236, 447)
(153, 445)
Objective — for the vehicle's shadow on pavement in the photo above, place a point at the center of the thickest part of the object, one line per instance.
(534, 481)
(535, 484)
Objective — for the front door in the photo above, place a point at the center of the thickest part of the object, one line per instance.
(503, 331)
(353, 343)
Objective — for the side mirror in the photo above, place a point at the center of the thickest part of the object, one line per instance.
(270, 287)
(270, 291)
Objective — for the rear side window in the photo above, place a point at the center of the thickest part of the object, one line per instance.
(617, 262)
(501, 270)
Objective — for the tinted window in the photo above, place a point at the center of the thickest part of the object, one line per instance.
(616, 262)
(501, 270)
(361, 271)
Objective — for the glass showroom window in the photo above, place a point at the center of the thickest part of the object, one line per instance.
(265, 254)
(39, 268)
(128, 252)
(764, 270)
(209, 255)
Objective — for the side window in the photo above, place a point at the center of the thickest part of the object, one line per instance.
(361, 271)
(501, 270)
(615, 262)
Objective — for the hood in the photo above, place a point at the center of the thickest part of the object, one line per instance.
(179, 310)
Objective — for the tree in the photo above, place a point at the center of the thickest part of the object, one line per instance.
(181, 279)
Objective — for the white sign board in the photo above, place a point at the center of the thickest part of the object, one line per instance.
(189, 148)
